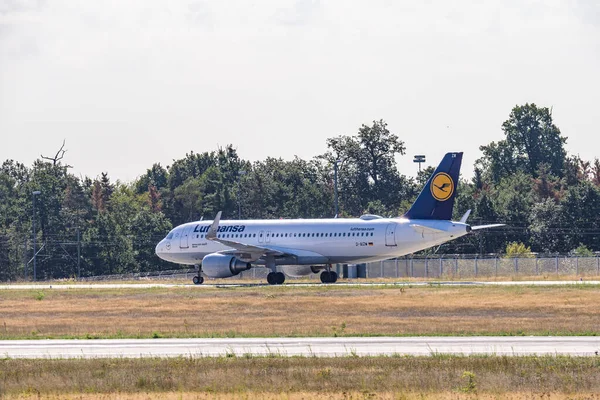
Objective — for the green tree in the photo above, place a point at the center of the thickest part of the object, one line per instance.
(188, 198)
(532, 139)
(157, 176)
(546, 221)
(367, 168)
(581, 215)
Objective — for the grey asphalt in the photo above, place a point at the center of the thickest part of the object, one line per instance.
(60, 286)
(320, 347)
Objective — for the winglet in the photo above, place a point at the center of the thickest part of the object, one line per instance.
(214, 228)
(465, 217)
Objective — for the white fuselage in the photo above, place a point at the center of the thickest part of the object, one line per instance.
(313, 241)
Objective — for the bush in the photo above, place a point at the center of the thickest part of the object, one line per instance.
(518, 249)
(582, 251)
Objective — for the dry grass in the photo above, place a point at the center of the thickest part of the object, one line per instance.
(291, 281)
(285, 311)
(311, 395)
(315, 377)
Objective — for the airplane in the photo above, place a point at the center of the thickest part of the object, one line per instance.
(299, 247)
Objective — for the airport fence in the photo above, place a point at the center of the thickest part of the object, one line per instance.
(445, 267)
(463, 267)
(436, 267)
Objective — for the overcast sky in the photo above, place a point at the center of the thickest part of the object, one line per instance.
(130, 83)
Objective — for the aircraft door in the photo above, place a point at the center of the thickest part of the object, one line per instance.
(390, 235)
(184, 241)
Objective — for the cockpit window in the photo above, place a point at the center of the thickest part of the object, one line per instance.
(170, 235)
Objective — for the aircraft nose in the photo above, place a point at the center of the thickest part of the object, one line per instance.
(160, 248)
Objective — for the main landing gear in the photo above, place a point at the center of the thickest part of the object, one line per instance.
(198, 279)
(275, 278)
(329, 276)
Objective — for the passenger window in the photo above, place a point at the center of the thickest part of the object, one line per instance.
(254, 235)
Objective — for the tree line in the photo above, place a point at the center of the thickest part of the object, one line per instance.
(549, 199)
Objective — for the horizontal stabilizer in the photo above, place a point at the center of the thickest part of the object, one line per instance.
(476, 228)
(425, 229)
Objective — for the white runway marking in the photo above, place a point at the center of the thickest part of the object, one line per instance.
(342, 284)
(321, 347)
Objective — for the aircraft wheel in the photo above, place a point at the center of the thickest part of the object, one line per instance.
(325, 277)
(272, 278)
(198, 280)
(280, 278)
(333, 277)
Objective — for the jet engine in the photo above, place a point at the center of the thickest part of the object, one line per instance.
(223, 266)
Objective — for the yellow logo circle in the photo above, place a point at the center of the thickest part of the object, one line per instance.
(442, 186)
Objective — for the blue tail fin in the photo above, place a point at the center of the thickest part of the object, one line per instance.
(437, 197)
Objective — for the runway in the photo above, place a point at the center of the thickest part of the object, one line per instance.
(308, 347)
(92, 286)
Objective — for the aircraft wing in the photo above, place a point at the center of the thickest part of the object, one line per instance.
(250, 252)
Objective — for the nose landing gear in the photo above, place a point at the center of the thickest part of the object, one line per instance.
(198, 279)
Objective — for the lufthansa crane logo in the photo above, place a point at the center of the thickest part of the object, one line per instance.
(442, 186)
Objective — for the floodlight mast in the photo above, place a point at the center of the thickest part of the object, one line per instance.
(419, 158)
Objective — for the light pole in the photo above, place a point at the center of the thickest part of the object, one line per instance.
(419, 158)
(34, 194)
(240, 174)
(335, 180)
